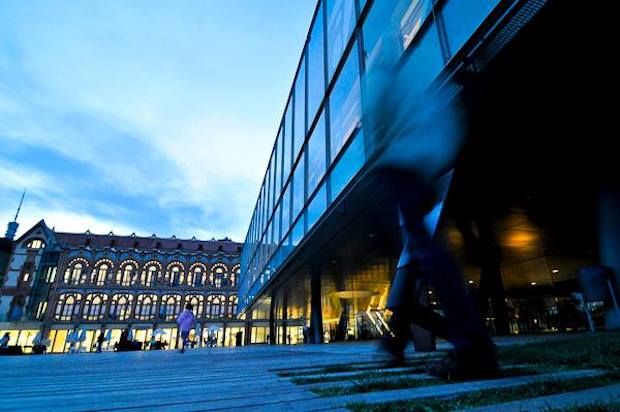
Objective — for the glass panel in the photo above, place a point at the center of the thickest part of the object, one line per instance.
(316, 67)
(277, 225)
(425, 61)
(298, 231)
(275, 168)
(317, 206)
(300, 109)
(279, 147)
(348, 165)
(268, 191)
(286, 211)
(298, 187)
(316, 154)
(340, 24)
(462, 18)
(286, 168)
(390, 27)
(345, 104)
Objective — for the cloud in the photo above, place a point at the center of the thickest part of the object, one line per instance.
(143, 119)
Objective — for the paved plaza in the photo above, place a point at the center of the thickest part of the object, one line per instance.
(252, 378)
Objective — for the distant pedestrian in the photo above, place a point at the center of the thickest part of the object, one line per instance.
(100, 340)
(186, 322)
(4, 342)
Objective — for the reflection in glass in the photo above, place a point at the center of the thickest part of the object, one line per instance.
(317, 206)
(316, 66)
(345, 104)
(340, 24)
(300, 109)
(389, 29)
(298, 187)
(286, 211)
(298, 231)
(462, 18)
(316, 154)
(348, 165)
(287, 142)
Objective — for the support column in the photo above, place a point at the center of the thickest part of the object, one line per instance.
(272, 321)
(284, 319)
(316, 313)
(609, 244)
(248, 329)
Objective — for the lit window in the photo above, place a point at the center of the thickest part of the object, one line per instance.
(35, 244)
(67, 306)
(50, 274)
(73, 274)
(120, 307)
(146, 306)
(197, 301)
(215, 306)
(41, 308)
(170, 307)
(94, 306)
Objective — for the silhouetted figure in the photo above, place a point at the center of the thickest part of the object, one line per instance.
(100, 340)
(4, 342)
(415, 140)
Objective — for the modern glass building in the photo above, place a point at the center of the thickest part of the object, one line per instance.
(321, 244)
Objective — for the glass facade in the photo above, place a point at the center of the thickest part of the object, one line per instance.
(320, 146)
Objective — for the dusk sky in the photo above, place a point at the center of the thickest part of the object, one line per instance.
(142, 116)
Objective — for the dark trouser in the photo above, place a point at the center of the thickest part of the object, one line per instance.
(428, 261)
(184, 338)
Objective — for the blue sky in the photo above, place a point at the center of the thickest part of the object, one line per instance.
(142, 116)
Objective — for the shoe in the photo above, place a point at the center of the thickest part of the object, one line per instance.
(182, 350)
(468, 364)
(394, 348)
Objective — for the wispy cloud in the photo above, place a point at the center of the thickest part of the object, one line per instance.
(135, 118)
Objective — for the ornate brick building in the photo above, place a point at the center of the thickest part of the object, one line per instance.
(66, 285)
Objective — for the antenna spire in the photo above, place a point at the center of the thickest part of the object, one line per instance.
(12, 227)
(20, 206)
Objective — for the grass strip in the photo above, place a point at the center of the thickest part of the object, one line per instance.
(382, 384)
(489, 396)
(354, 368)
(361, 375)
(588, 407)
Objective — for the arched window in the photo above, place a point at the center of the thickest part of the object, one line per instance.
(197, 275)
(170, 307)
(67, 306)
(146, 304)
(233, 301)
(215, 306)
(218, 274)
(175, 274)
(94, 306)
(234, 276)
(127, 274)
(120, 306)
(103, 272)
(151, 275)
(76, 272)
(197, 301)
(174, 277)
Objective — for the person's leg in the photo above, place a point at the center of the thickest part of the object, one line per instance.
(429, 261)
